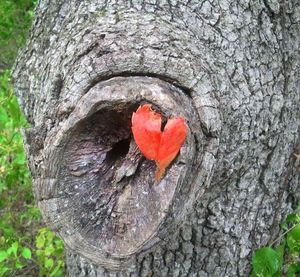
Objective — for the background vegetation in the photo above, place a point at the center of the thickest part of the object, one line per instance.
(27, 248)
(282, 256)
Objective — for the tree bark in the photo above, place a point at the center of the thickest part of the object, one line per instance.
(230, 68)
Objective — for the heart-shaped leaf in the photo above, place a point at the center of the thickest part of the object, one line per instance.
(162, 147)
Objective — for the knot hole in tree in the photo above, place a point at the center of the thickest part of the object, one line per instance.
(105, 189)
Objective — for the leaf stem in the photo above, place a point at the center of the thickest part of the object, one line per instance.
(282, 235)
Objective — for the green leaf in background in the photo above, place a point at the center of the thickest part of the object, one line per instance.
(57, 271)
(266, 262)
(49, 253)
(49, 263)
(293, 270)
(293, 239)
(40, 239)
(280, 253)
(290, 219)
(3, 256)
(26, 253)
(3, 270)
(287, 254)
(18, 264)
(15, 19)
(13, 249)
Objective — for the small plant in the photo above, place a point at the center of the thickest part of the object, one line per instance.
(49, 253)
(283, 260)
(26, 248)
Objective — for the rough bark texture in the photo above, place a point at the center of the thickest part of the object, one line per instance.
(231, 68)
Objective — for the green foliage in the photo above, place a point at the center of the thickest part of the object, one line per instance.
(15, 19)
(21, 250)
(49, 253)
(21, 230)
(293, 240)
(265, 262)
(12, 159)
(285, 259)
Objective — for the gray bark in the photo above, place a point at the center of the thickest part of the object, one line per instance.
(230, 68)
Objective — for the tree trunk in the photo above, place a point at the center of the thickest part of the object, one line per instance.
(230, 68)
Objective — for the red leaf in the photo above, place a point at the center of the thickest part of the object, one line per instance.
(146, 126)
(171, 141)
(162, 147)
